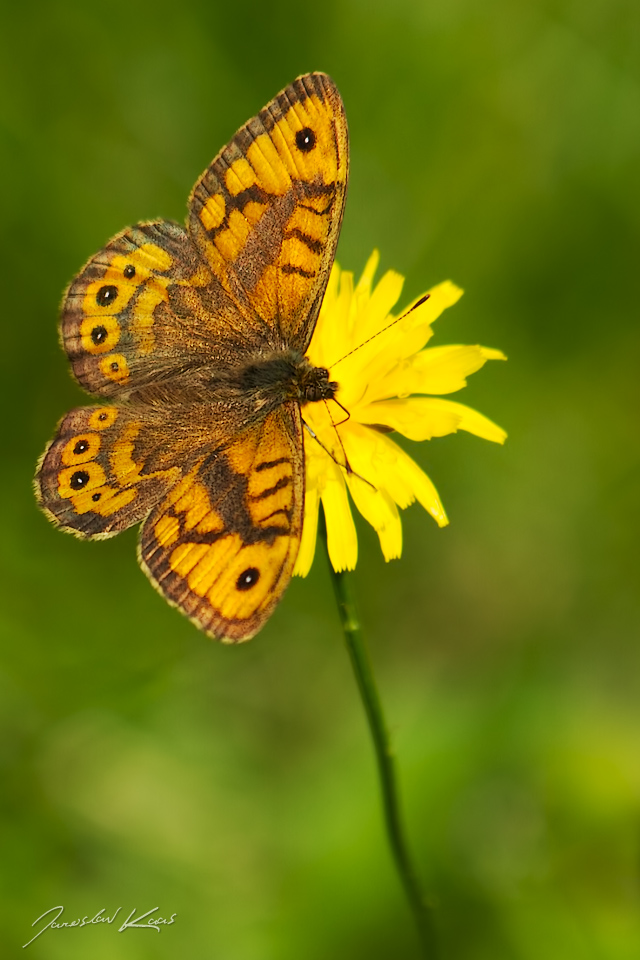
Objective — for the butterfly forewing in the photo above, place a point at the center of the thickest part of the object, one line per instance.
(267, 212)
(145, 309)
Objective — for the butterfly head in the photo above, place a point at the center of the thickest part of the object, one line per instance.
(314, 384)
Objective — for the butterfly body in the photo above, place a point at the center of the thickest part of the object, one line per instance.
(193, 341)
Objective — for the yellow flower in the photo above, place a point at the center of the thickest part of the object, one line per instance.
(377, 383)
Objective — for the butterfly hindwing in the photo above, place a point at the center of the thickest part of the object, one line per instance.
(96, 477)
(266, 214)
(108, 466)
(222, 544)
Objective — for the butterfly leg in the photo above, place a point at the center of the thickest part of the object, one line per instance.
(346, 466)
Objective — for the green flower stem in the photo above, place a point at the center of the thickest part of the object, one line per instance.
(384, 755)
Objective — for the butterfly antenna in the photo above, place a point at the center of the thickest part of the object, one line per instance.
(393, 322)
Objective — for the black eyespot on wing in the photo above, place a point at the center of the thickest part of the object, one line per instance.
(115, 366)
(129, 271)
(305, 139)
(96, 497)
(248, 578)
(79, 479)
(98, 335)
(102, 416)
(81, 447)
(106, 295)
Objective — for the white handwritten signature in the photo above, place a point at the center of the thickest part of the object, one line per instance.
(153, 923)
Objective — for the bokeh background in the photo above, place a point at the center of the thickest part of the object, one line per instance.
(494, 143)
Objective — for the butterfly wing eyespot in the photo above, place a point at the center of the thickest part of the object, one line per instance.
(266, 214)
(222, 545)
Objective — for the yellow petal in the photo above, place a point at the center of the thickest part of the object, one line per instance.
(367, 318)
(384, 464)
(441, 296)
(445, 369)
(342, 540)
(373, 315)
(380, 364)
(435, 370)
(421, 418)
(307, 549)
(418, 418)
(333, 288)
(372, 371)
(363, 288)
(378, 509)
(420, 485)
(331, 332)
(470, 419)
(415, 329)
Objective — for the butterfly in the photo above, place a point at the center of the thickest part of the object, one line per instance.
(193, 341)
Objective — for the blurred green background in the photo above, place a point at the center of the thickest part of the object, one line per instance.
(494, 143)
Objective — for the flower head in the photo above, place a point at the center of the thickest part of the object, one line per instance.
(387, 382)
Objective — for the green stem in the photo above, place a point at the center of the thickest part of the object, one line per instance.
(384, 755)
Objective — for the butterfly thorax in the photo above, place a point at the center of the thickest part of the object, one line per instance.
(287, 375)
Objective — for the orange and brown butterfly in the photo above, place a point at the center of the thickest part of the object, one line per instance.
(194, 341)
